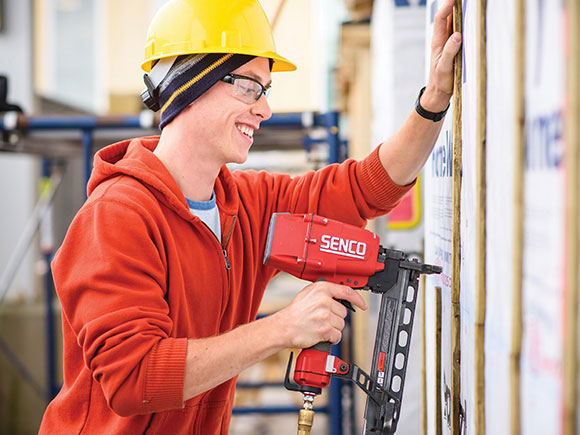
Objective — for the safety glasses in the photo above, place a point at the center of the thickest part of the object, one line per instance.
(246, 89)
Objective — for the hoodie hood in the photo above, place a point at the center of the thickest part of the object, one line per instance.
(135, 158)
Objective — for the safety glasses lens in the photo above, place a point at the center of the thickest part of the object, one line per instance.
(247, 90)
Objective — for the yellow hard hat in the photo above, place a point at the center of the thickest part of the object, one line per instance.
(184, 27)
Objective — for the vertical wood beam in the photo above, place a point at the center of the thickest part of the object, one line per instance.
(456, 236)
(518, 222)
(423, 359)
(438, 322)
(572, 219)
(480, 222)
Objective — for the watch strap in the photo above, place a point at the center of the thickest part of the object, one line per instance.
(433, 116)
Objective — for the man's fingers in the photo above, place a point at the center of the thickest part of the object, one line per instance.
(337, 323)
(441, 24)
(348, 294)
(320, 308)
(339, 309)
(450, 50)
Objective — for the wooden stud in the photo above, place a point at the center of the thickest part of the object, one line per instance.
(572, 217)
(423, 359)
(438, 392)
(456, 236)
(518, 222)
(480, 222)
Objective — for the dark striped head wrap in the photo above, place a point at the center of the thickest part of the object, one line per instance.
(192, 75)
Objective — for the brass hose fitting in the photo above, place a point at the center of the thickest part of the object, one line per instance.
(305, 420)
(306, 415)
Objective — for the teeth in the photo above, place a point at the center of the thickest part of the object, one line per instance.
(246, 130)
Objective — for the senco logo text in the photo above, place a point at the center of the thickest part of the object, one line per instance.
(340, 246)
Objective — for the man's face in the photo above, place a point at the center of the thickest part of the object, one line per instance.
(222, 125)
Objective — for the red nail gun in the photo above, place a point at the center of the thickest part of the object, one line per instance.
(315, 248)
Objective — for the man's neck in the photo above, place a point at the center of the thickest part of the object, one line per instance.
(194, 173)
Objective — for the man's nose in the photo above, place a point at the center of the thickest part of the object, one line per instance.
(262, 108)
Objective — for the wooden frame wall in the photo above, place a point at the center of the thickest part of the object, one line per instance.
(571, 350)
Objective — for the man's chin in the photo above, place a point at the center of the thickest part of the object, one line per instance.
(240, 160)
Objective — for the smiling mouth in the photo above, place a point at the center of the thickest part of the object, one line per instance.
(246, 130)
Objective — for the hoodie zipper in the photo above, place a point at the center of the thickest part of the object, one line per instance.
(226, 259)
(225, 244)
(228, 267)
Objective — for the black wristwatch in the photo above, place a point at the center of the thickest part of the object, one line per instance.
(433, 116)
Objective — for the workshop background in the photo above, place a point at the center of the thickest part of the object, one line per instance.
(495, 342)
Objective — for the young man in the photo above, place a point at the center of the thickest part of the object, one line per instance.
(160, 276)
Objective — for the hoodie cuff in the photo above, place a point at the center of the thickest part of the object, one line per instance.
(165, 375)
(383, 191)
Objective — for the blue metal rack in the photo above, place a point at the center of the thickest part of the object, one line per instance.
(87, 126)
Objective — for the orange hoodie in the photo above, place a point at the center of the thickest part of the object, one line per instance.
(138, 274)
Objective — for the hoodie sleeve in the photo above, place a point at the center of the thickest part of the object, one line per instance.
(351, 192)
(111, 281)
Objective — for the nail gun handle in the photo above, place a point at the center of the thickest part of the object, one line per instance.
(325, 346)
